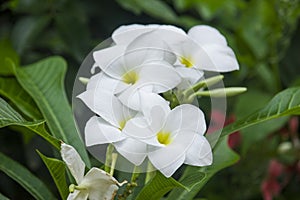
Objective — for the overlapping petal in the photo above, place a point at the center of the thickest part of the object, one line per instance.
(74, 162)
(98, 131)
(199, 153)
(133, 150)
(169, 158)
(159, 75)
(185, 117)
(106, 105)
(128, 33)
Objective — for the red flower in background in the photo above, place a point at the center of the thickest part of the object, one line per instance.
(217, 121)
(271, 187)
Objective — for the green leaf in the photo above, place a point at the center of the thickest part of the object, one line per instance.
(7, 52)
(223, 157)
(11, 89)
(8, 116)
(44, 81)
(285, 103)
(26, 31)
(158, 9)
(25, 178)
(256, 132)
(2, 197)
(57, 170)
(130, 5)
(158, 187)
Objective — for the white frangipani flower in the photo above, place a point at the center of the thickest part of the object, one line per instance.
(95, 185)
(136, 70)
(202, 48)
(110, 126)
(173, 136)
(205, 48)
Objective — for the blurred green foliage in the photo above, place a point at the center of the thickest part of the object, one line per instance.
(263, 33)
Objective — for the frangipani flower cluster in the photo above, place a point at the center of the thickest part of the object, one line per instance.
(130, 113)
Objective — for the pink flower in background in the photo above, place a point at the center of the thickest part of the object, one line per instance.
(217, 118)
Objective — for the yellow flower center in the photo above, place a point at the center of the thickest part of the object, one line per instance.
(130, 77)
(186, 61)
(164, 138)
(122, 124)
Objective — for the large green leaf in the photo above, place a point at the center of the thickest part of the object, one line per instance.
(7, 52)
(196, 177)
(57, 170)
(158, 187)
(44, 81)
(257, 132)
(285, 103)
(11, 89)
(2, 197)
(8, 116)
(25, 178)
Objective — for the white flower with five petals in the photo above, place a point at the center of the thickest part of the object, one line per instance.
(136, 69)
(111, 124)
(173, 136)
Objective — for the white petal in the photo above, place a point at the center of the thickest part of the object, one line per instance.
(110, 60)
(127, 33)
(100, 184)
(190, 76)
(199, 153)
(185, 117)
(152, 46)
(155, 109)
(203, 34)
(161, 75)
(133, 150)
(130, 97)
(105, 104)
(171, 169)
(169, 158)
(98, 131)
(138, 54)
(138, 128)
(73, 160)
(220, 59)
(78, 195)
(101, 81)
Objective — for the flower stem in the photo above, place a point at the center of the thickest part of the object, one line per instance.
(150, 172)
(108, 160)
(113, 163)
(135, 174)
